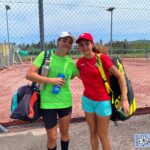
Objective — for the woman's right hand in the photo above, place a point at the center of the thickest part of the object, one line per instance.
(57, 81)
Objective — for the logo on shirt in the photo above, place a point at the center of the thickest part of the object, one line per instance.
(82, 65)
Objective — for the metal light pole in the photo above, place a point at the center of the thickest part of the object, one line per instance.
(110, 9)
(41, 24)
(8, 8)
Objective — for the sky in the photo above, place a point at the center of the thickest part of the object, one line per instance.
(131, 19)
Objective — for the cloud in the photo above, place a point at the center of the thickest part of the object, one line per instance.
(131, 17)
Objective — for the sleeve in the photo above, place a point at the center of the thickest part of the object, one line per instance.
(106, 61)
(39, 59)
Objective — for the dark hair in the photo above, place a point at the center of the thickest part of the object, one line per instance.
(59, 39)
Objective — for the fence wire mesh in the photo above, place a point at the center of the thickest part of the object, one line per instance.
(19, 30)
(130, 22)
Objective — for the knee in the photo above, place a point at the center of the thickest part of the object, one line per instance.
(51, 142)
(93, 133)
(52, 139)
(103, 138)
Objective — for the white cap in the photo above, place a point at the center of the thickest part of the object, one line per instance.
(66, 34)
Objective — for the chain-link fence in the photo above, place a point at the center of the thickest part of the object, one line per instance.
(124, 25)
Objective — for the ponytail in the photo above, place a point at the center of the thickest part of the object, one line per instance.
(99, 49)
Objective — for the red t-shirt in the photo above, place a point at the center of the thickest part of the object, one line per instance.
(92, 79)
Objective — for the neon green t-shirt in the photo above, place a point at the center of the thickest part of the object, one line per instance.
(64, 65)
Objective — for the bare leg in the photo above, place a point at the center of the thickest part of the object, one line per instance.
(64, 131)
(52, 136)
(64, 127)
(102, 130)
(92, 122)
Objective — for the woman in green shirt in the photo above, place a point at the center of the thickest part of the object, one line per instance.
(53, 105)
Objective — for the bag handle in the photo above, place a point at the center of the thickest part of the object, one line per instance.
(101, 69)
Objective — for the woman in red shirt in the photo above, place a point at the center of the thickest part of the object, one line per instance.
(95, 100)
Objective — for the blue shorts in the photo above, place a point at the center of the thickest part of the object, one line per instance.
(101, 108)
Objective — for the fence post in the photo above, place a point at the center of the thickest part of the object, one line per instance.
(1, 62)
(41, 25)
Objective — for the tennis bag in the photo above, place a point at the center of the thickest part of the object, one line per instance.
(25, 104)
(113, 90)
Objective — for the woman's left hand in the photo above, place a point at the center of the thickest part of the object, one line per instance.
(125, 106)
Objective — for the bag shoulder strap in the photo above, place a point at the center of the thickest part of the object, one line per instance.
(47, 55)
(101, 69)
